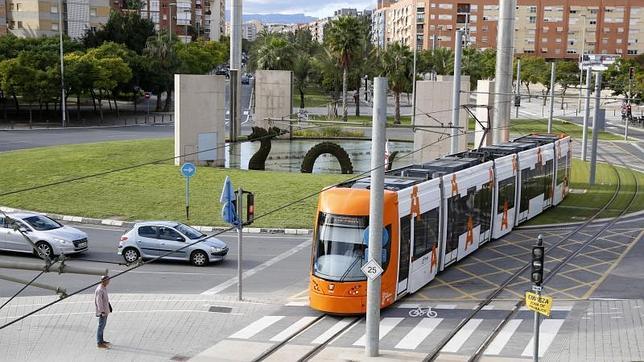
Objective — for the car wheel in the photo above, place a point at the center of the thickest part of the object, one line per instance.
(199, 258)
(131, 255)
(45, 249)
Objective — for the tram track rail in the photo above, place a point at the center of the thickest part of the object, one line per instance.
(435, 353)
(316, 349)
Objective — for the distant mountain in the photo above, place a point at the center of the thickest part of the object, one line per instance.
(276, 18)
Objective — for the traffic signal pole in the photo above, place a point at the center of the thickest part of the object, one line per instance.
(240, 200)
(537, 278)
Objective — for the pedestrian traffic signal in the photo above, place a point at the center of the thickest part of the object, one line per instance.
(250, 208)
(537, 265)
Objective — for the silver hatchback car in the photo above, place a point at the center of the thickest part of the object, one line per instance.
(50, 236)
(155, 238)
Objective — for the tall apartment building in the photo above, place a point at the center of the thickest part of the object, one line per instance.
(549, 28)
(316, 27)
(202, 17)
(33, 18)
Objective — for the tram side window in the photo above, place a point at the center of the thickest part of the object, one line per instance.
(527, 182)
(405, 244)
(457, 211)
(484, 205)
(506, 193)
(562, 165)
(547, 179)
(425, 233)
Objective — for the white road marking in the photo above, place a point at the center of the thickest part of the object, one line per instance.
(256, 327)
(418, 334)
(503, 337)
(303, 303)
(445, 306)
(232, 281)
(386, 325)
(333, 330)
(292, 329)
(557, 308)
(459, 339)
(547, 333)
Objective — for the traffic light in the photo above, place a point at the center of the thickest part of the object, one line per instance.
(517, 101)
(537, 265)
(631, 72)
(250, 208)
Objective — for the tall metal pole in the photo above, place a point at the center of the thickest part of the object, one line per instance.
(552, 95)
(456, 90)
(375, 212)
(235, 64)
(413, 86)
(503, 77)
(518, 87)
(593, 148)
(63, 106)
(584, 137)
(628, 110)
(240, 200)
(583, 49)
(433, 42)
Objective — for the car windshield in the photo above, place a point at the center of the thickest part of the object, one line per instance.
(340, 251)
(42, 223)
(189, 232)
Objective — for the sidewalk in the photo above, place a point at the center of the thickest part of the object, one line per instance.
(142, 327)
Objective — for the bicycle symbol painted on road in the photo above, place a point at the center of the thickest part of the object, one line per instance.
(420, 311)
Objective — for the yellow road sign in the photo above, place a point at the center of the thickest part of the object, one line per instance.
(538, 303)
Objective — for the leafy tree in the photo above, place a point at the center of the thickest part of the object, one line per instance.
(439, 60)
(397, 64)
(200, 57)
(343, 38)
(111, 69)
(616, 77)
(567, 75)
(532, 70)
(161, 66)
(127, 28)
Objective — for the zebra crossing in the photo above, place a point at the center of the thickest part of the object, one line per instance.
(399, 331)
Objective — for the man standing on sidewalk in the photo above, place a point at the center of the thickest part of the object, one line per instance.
(103, 309)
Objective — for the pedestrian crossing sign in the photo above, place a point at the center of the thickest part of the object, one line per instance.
(538, 303)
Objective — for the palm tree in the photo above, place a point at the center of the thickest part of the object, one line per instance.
(274, 52)
(302, 68)
(343, 37)
(397, 66)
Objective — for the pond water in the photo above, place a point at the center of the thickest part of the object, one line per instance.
(287, 155)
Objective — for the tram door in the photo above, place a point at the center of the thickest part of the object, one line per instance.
(425, 232)
(403, 262)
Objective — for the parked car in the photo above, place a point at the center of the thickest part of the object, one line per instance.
(155, 238)
(50, 236)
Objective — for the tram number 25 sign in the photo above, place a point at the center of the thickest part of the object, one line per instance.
(538, 303)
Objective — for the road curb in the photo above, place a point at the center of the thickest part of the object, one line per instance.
(130, 224)
(83, 127)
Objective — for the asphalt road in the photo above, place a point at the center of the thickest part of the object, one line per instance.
(175, 276)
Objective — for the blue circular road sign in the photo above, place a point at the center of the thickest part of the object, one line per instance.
(385, 236)
(188, 169)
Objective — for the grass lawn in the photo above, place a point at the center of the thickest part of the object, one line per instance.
(526, 126)
(157, 191)
(584, 200)
(149, 192)
(313, 97)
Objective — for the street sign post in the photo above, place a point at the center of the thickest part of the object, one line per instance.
(231, 213)
(188, 170)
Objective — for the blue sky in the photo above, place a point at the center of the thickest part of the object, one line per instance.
(315, 8)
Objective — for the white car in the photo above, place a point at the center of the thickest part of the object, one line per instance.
(51, 237)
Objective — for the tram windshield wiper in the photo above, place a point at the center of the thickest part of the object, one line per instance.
(353, 264)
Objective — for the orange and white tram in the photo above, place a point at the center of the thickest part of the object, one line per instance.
(434, 215)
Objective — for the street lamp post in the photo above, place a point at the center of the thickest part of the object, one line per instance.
(62, 63)
(170, 5)
(583, 49)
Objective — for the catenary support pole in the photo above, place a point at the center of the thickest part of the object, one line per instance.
(240, 229)
(63, 104)
(517, 104)
(593, 147)
(503, 73)
(413, 86)
(456, 90)
(553, 69)
(584, 135)
(375, 212)
(629, 109)
(235, 63)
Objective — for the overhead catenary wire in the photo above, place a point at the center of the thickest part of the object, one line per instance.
(50, 304)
